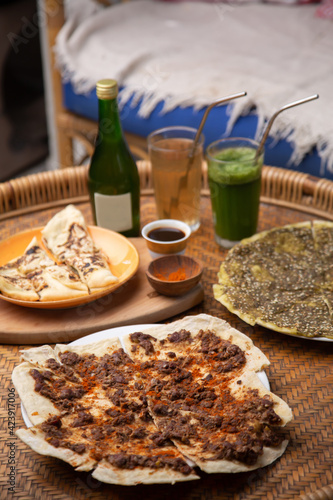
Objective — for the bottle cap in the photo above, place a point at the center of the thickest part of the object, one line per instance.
(106, 89)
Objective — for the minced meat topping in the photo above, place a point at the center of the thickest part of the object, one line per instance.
(131, 412)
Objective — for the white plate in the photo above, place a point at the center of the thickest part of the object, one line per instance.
(120, 332)
(320, 339)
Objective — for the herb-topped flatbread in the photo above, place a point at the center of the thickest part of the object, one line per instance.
(187, 390)
(282, 279)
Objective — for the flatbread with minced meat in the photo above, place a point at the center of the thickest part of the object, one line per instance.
(184, 397)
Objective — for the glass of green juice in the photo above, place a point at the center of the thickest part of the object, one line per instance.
(234, 176)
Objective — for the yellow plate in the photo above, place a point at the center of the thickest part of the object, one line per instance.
(122, 254)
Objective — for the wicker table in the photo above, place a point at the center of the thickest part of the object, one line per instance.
(300, 370)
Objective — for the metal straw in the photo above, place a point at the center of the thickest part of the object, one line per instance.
(183, 180)
(204, 118)
(270, 123)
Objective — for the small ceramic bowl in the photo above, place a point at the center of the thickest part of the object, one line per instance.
(162, 272)
(159, 248)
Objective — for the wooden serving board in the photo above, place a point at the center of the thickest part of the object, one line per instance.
(133, 303)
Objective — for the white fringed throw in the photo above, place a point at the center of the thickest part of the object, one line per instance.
(192, 53)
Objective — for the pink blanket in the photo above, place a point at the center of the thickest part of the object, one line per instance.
(325, 9)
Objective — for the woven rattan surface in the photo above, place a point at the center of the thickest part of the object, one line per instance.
(300, 372)
(281, 186)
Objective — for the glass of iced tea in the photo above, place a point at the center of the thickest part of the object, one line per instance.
(234, 176)
(177, 173)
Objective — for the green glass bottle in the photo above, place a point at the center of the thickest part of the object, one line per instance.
(113, 179)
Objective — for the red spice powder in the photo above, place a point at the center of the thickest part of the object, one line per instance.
(178, 275)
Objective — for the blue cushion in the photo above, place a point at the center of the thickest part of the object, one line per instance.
(276, 153)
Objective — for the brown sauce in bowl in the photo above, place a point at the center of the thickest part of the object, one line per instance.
(166, 234)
